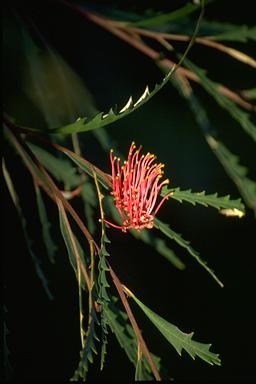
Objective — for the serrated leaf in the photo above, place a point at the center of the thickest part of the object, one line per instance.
(118, 323)
(167, 231)
(102, 119)
(50, 83)
(219, 30)
(243, 118)
(236, 172)
(213, 200)
(103, 297)
(241, 33)
(86, 355)
(229, 161)
(178, 339)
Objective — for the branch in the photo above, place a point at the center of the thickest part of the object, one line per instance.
(135, 327)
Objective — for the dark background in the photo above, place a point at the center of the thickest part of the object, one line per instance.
(44, 335)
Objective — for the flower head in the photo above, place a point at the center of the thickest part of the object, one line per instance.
(136, 186)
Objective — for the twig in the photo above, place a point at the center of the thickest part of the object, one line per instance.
(238, 55)
(53, 191)
(123, 33)
(134, 324)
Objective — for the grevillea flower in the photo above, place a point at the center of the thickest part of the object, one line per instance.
(136, 186)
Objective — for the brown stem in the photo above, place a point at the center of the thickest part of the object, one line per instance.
(54, 191)
(134, 324)
(200, 40)
(123, 33)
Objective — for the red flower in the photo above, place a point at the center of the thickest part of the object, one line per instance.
(136, 186)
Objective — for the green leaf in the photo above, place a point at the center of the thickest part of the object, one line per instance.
(165, 18)
(61, 168)
(86, 355)
(212, 200)
(167, 231)
(229, 161)
(211, 87)
(36, 261)
(140, 372)
(74, 249)
(249, 93)
(102, 119)
(51, 84)
(87, 167)
(118, 322)
(219, 30)
(103, 298)
(241, 33)
(236, 172)
(46, 226)
(158, 244)
(178, 339)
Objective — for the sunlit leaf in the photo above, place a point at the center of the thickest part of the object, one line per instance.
(236, 172)
(202, 198)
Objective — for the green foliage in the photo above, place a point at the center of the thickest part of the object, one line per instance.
(237, 33)
(212, 200)
(229, 161)
(211, 87)
(167, 231)
(60, 168)
(59, 95)
(37, 263)
(86, 354)
(46, 226)
(177, 338)
(237, 172)
(117, 321)
(165, 18)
